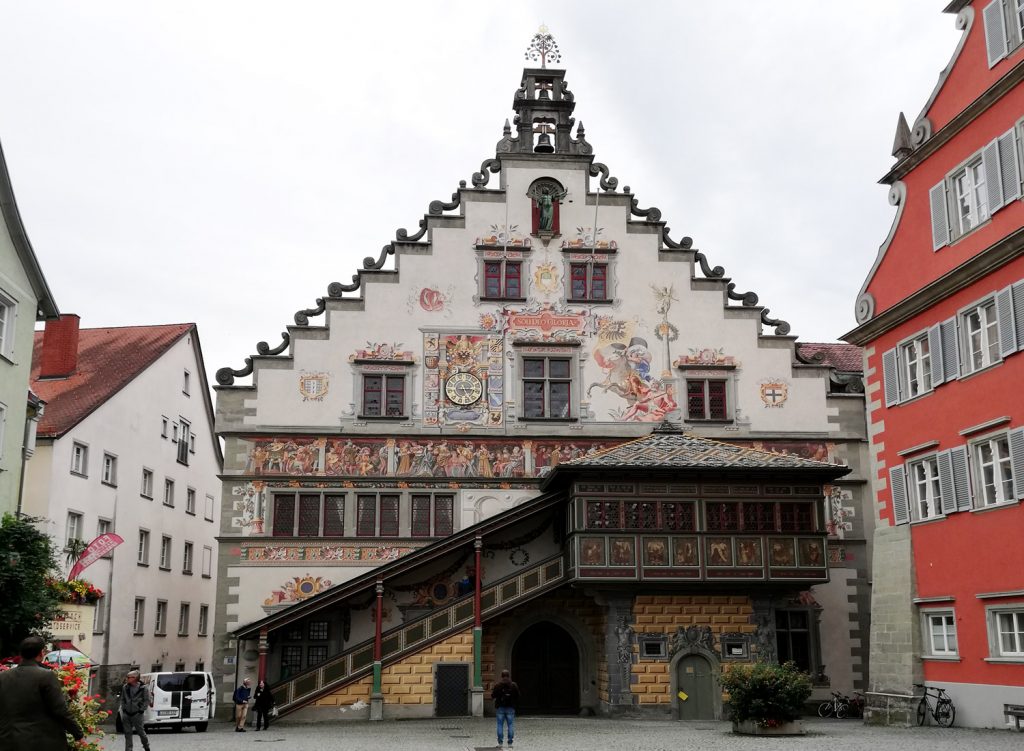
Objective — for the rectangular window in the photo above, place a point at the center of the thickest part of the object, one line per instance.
(291, 660)
(706, 399)
(6, 325)
(383, 396)
(109, 470)
(588, 281)
(165, 553)
(143, 553)
(970, 196)
(208, 511)
(139, 620)
(204, 618)
(334, 516)
(315, 655)
(186, 559)
(309, 515)
(168, 492)
(503, 280)
(917, 367)
(940, 633)
(547, 387)
(925, 490)
(432, 515)
(164, 422)
(183, 619)
(160, 622)
(1004, 28)
(190, 501)
(99, 616)
(980, 328)
(103, 526)
(184, 440)
(1009, 628)
(147, 484)
(186, 383)
(793, 638)
(73, 530)
(993, 471)
(377, 516)
(80, 459)
(207, 561)
(284, 515)
(318, 630)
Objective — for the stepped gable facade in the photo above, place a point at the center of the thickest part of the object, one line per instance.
(401, 510)
(941, 320)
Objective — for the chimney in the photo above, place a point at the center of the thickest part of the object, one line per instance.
(59, 357)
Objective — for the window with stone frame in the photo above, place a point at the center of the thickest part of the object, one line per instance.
(589, 281)
(915, 362)
(383, 395)
(993, 470)
(308, 514)
(502, 279)
(547, 387)
(377, 516)
(939, 632)
(795, 637)
(980, 330)
(707, 399)
(432, 515)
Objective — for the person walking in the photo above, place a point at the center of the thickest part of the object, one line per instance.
(34, 715)
(241, 699)
(263, 703)
(132, 709)
(506, 696)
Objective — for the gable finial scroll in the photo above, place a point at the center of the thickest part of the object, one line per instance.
(543, 47)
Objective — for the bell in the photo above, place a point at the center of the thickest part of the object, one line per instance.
(543, 94)
(544, 145)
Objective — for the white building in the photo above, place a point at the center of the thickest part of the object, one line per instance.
(126, 445)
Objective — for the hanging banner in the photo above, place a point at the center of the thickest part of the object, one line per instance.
(95, 550)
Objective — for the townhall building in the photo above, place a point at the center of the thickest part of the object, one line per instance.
(591, 459)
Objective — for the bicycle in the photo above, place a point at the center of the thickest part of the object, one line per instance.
(856, 704)
(942, 709)
(838, 705)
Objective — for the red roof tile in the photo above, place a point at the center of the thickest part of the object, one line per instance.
(844, 357)
(108, 359)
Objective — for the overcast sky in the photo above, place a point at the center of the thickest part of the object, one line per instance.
(223, 162)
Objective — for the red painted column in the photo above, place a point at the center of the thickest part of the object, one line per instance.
(264, 647)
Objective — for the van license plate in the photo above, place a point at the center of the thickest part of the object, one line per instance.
(167, 712)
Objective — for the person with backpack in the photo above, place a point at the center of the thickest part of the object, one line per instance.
(506, 697)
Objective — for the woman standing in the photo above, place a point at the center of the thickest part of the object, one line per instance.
(263, 702)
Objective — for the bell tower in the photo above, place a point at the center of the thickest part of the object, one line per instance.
(543, 106)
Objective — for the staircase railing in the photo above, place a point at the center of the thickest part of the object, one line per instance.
(410, 637)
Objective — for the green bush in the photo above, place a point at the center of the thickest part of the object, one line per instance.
(765, 693)
(27, 560)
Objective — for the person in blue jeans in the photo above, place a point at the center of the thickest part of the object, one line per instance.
(506, 696)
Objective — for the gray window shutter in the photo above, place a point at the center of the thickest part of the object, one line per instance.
(1017, 461)
(890, 374)
(946, 486)
(950, 350)
(935, 354)
(1018, 312)
(961, 478)
(1009, 167)
(993, 181)
(940, 217)
(898, 488)
(1004, 317)
(995, 32)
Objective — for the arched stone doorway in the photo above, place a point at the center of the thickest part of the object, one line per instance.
(695, 679)
(546, 665)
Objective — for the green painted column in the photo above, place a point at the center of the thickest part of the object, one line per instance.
(478, 649)
(376, 676)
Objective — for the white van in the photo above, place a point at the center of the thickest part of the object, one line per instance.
(178, 700)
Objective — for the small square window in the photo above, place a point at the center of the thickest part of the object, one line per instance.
(318, 630)
(653, 646)
(735, 646)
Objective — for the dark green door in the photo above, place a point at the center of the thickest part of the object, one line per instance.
(696, 681)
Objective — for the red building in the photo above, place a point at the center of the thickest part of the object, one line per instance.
(941, 318)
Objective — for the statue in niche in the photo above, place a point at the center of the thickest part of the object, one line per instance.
(546, 194)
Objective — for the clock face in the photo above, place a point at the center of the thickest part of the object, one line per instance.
(463, 388)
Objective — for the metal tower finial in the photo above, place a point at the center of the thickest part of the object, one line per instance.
(543, 47)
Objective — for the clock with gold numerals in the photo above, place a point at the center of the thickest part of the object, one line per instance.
(463, 389)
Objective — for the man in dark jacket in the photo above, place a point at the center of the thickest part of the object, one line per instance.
(506, 696)
(134, 702)
(34, 715)
(241, 699)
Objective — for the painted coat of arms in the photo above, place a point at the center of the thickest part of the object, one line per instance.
(774, 392)
(314, 386)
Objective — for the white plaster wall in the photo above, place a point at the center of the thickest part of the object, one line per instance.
(128, 426)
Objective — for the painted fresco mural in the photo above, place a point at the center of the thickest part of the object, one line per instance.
(329, 553)
(400, 457)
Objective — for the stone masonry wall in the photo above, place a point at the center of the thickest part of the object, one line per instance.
(663, 614)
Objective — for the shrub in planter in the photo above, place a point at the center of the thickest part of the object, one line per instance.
(766, 694)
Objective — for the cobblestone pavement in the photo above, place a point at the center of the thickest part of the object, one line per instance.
(571, 734)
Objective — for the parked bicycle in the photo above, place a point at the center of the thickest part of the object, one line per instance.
(838, 706)
(856, 704)
(935, 702)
